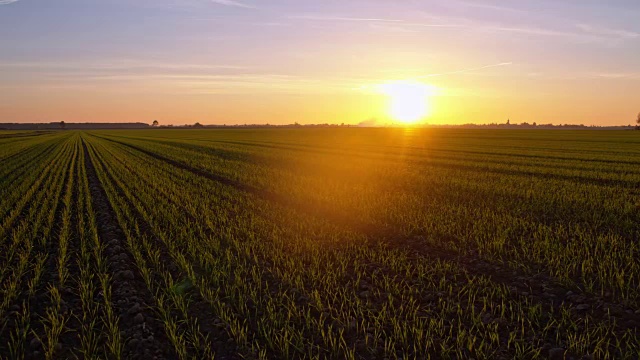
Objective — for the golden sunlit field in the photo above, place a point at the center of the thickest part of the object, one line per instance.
(334, 243)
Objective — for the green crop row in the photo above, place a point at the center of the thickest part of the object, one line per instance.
(225, 228)
(319, 244)
(563, 225)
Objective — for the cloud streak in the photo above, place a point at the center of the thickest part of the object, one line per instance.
(342, 18)
(485, 6)
(580, 32)
(607, 32)
(461, 71)
(618, 75)
(231, 3)
(7, 2)
(584, 33)
(167, 78)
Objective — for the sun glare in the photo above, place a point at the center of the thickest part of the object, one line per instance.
(408, 100)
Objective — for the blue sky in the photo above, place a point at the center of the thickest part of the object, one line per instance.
(271, 61)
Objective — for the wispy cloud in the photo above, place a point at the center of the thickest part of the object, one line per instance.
(390, 24)
(460, 71)
(119, 65)
(486, 6)
(232, 3)
(169, 78)
(528, 30)
(580, 32)
(433, 25)
(617, 75)
(7, 2)
(583, 33)
(534, 24)
(529, 22)
(607, 32)
(342, 18)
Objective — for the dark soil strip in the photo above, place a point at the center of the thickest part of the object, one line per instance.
(217, 178)
(318, 212)
(224, 346)
(539, 288)
(550, 157)
(142, 331)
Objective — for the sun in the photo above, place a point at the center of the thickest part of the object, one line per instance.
(408, 100)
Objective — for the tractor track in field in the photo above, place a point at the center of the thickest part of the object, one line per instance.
(131, 298)
(328, 213)
(265, 195)
(486, 163)
(214, 177)
(539, 288)
(482, 169)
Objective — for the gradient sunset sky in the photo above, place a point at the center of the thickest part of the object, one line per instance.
(281, 61)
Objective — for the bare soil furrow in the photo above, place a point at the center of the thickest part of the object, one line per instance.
(198, 308)
(141, 329)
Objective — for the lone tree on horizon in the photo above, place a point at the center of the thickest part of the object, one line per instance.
(62, 124)
(638, 122)
(155, 123)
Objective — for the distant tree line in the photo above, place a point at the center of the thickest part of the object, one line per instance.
(77, 126)
(369, 123)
